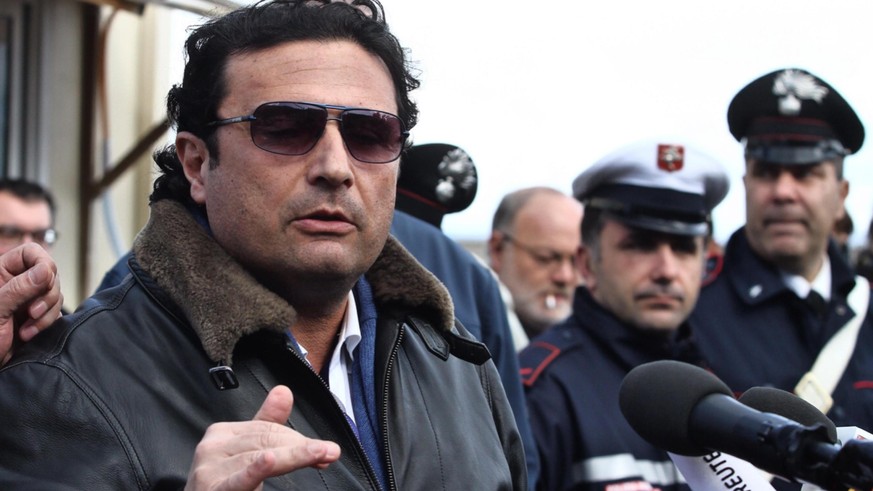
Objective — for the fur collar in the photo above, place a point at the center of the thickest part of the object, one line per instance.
(223, 302)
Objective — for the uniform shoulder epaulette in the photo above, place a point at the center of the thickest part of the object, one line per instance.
(536, 357)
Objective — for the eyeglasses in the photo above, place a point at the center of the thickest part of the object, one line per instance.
(546, 258)
(293, 128)
(12, 235)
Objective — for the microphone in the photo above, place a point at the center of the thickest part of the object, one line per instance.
(688, 411)
(788, 405)
(852, 463)
(784, 403)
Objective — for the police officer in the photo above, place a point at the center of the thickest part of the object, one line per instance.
(642, 259)
(785, 291)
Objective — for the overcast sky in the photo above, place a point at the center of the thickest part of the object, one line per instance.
(537, 91)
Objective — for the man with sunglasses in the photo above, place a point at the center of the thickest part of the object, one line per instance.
(266, 273)
(642, 258)
(532, 248)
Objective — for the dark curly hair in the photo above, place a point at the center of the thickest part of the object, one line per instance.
(192, 104)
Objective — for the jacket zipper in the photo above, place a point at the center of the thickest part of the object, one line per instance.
(389, 467)
(371, 473)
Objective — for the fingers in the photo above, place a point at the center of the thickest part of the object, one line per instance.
(248, 439)
(240, 455)
(290, 455)
(30, 291)
(255, 467)
(18, 260)
(42, 285)
(251, 477)
(30, 295)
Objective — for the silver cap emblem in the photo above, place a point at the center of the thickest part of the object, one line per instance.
(457, 173)
(793, 87)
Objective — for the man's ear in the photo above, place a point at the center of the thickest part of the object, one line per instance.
(584, 263)
(843, 192)
(495, 249)
(194, 156)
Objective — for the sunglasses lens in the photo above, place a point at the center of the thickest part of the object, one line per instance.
(290, 128)
(372, 136)
(287, 128)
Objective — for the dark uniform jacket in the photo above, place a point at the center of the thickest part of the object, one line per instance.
(755, 331)
(572, 374)
(118, 395)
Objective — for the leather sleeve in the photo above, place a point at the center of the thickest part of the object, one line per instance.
(504, 420)
(59, 435)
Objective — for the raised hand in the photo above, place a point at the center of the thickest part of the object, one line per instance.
(238, 456)
(30, 295)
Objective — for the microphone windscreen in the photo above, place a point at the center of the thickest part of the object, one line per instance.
(788, 405)
(657, 399)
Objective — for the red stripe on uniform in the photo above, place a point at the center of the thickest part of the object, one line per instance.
(529, 376)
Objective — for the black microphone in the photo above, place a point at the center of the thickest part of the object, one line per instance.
(686, 410)
(853, 462)
(788, 405)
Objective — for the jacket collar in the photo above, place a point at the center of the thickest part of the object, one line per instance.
(627, 344)
(223, 302)
(755, 280)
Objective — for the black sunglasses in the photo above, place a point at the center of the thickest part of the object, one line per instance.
(293, 128)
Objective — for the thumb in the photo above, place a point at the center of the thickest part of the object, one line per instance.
(40, 276)
(277, 406)
(24, 288)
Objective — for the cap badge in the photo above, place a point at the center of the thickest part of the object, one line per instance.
(456, 172)
(793, 87)
(671, 157)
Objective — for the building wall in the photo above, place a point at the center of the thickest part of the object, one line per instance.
(137, 76)
(45, 107)
(132, 108)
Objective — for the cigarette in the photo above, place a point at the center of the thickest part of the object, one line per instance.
(551, 302)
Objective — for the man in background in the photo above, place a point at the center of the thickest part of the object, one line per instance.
(27, 213)
(643, 233)
(30, 296)
(532, 248)
(785, 290)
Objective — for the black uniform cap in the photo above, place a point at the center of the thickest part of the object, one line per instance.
(790, 116)
(435, 179)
